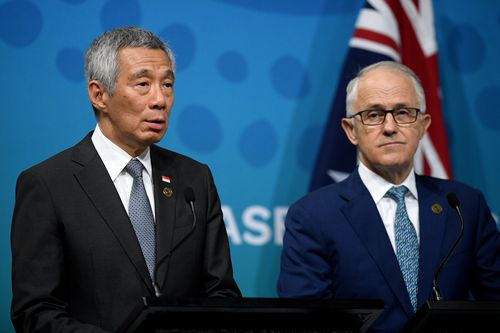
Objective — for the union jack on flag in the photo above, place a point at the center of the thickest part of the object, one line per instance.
(398, 30)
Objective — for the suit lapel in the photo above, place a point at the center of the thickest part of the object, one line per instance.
(95, 181)
(362, 213)
(165, 194)
(433, 211)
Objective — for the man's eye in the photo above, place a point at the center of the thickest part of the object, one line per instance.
(143, 84)
(402, 112)
(374, 114)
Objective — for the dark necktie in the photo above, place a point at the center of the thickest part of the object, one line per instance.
(406, 243)
(141, 215)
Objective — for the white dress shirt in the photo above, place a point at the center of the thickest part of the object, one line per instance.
(378, 187)
(115, 159)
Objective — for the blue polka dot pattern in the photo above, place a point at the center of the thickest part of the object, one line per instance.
(467, 48)
(116, 13)
(181, 40)
(70, 64)
(232, 66)
(290, 78)
(299, 7)
(488, 114)
(199, 129)
(258, 143)
(247, 93)
(74, 2)
(20, 23)
(310, 137)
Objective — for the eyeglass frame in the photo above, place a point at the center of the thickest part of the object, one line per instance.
(391, 111)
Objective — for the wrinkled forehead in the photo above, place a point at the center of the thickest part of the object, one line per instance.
(138, 54)
(136, 62)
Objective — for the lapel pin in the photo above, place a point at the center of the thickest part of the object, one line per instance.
(167, 191)
(165, 179)
(436, 208)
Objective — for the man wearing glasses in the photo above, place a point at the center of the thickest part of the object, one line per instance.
(383, 232)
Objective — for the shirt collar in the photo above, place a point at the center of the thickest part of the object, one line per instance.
(114, 158)
(378, 186)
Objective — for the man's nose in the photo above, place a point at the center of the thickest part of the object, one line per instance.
(390, 124)
(158, 98)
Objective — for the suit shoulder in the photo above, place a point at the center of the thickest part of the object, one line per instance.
(329, 194)
(448, 185)
(62, 161)
(464, 192)
(177, 157)
(53, 163)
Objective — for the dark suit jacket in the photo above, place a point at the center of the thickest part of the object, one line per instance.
(76, 261)
(336, 247)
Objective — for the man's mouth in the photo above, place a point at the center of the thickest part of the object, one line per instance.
(156, 124)
(391, 144)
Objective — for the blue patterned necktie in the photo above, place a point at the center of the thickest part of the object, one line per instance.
(141, 215)
(406, 243)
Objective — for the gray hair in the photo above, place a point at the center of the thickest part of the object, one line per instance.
(101, 59)
(352, 87)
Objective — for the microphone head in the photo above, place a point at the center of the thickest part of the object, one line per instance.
(189, 194)
(453, 200)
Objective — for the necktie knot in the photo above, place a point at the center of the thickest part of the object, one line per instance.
(398, 193)
(134, 168)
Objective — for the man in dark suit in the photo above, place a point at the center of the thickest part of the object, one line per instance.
(90, 237)
(362, 239)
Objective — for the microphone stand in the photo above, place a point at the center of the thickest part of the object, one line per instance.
(454, 203)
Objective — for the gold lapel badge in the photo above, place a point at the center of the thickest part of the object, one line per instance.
(437, 208)
(167, 191)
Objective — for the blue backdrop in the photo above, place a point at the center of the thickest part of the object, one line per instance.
(254, 85)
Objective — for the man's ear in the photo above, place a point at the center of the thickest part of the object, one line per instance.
(426, 122)
(98, 95)
(348, 126)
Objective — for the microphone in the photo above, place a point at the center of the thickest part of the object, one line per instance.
(455, 204)
(453, 201)
(189, 196)
(190, 199)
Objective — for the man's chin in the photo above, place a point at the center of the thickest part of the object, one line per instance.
(396, 166)
(153, 137)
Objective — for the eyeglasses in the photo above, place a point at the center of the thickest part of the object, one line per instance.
(377, 116)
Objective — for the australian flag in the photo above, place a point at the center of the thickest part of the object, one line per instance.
(397, 30)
